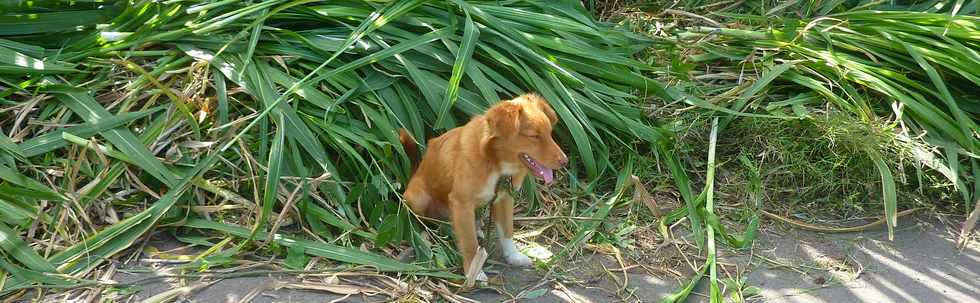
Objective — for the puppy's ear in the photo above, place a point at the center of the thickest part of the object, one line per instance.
(503, 119)
(544, 106)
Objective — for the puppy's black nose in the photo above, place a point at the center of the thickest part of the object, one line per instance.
(563, 160)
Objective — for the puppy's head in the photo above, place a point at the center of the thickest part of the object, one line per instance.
(520, 132)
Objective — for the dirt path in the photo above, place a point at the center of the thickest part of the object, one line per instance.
(799, 266)
(787, 265)
(920, 266)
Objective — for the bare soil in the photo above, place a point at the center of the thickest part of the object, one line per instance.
(787, 265)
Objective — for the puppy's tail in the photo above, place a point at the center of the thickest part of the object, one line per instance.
(410, 147)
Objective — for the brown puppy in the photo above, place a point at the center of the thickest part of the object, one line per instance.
(460, 170)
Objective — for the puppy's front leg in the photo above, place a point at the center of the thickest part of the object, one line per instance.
(503, 217)
(462, 217)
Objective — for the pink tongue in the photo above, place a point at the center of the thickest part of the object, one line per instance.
(548, 175)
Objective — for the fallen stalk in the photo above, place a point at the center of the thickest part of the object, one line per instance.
(93, 283)
(817, 228)
(555, 218)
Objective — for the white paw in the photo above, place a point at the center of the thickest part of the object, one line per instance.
(480, 234)
(518, 259)
(482, 277)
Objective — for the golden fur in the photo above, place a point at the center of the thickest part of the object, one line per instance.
(460, 169)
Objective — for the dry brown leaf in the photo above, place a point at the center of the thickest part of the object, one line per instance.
(154, 252)
(251, 295)
(968, 225)
(444, 292)
(341, 299)
(172, 294)
(339, 289)
(476, 266)
(640, 194)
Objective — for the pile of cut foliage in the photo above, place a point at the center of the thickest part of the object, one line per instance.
(272, 125)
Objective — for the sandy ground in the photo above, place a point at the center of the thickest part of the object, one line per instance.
(787, 265)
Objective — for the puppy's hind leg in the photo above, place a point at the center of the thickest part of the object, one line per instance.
(418, 201)
(424, 206)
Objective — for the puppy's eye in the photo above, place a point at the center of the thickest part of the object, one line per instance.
(534, 136)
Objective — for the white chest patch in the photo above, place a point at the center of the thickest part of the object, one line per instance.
(489, 188)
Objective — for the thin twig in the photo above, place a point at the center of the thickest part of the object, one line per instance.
(545, 218)
(812, 227)
(693, 15)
